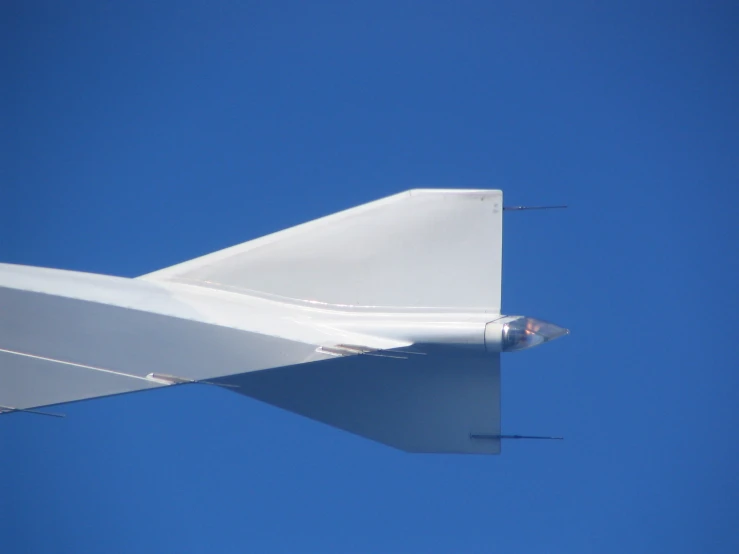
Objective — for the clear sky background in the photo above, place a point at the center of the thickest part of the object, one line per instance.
(136, 135)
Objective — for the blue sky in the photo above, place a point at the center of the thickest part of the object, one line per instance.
(139, 134)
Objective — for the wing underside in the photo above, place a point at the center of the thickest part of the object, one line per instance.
(55, 349)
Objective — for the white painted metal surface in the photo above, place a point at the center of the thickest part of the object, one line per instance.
(376, 320)
(418, 249)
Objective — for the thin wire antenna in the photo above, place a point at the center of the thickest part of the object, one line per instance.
(497, 437)
(9, 410)
(522, 208)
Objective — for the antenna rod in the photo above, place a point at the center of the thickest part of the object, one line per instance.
(9, 410)
(521, 208)
(496, 437)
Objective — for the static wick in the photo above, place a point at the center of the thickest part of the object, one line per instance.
(497, 437)
(166, 379)
(522, 208)
(9, 410)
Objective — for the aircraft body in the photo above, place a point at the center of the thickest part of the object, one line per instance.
(383, 320)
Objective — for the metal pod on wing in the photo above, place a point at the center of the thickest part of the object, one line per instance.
(512, 333)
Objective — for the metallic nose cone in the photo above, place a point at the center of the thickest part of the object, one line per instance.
(526, 332)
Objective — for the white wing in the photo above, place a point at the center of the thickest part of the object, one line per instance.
(268, 317)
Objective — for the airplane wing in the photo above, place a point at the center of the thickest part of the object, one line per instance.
(272, 318)
(57, 348)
